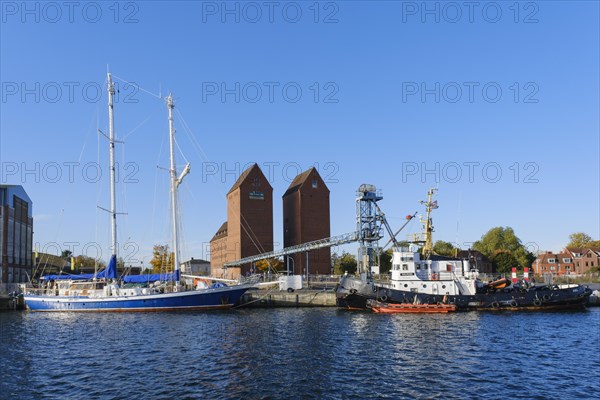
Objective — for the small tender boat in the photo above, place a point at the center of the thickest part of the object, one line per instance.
(388, 308)
(499, 284)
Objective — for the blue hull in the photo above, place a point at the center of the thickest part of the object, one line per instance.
(220, 298)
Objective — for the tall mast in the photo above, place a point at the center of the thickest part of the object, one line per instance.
(174, 184)
(429, 205)
(111, 138)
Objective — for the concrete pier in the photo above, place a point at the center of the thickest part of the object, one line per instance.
(298, 298)
(11, 303)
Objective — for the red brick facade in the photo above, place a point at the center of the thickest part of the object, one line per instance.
(554, 263)
(305, 219)
(586, 259)
(249, 227)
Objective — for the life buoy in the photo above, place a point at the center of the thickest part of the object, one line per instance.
(495, 304)
(384, 298)
(546, 297)
(537, 302)
(514, 303)
(434, 276)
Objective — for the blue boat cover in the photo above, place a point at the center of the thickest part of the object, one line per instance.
(170, 277)
(110, 272)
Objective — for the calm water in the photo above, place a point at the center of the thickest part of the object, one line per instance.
(300, 353)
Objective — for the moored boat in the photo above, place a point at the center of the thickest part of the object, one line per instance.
(391, 308)
(102, 291)
(422, 277)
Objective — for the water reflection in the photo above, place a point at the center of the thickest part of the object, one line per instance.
(298, 353)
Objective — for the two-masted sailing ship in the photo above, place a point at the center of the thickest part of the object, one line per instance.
(105, 291)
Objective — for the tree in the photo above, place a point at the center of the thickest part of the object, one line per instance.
(385, 261)
(503, 240)
(348, 263)
(504, 262)
(89, 263)
(274, 263)
(344, 263)
(581, 239)
(66, 254)
(444, 248)
(162, 259)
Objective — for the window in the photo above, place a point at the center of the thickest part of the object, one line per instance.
(404, 267)
(551, 260)
(589, 255)
(566, 260)
(314, 183)
(425, 266)
(552, 268)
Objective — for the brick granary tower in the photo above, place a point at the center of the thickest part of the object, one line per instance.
(249, 227)
(306, 218)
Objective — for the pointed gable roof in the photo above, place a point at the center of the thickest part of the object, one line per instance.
(301, 179)
(245, 175)
(591, 249)
(221, 232)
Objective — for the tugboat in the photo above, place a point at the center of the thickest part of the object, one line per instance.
(419, 276)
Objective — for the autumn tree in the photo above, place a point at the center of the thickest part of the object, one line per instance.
(501, 240)
(162, 259)
(88, 263)
(581, 239)
(275, 264)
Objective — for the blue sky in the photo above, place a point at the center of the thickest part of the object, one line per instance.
(499, 103)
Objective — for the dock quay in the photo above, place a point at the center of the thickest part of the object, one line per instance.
(11, 303)
(298, 298)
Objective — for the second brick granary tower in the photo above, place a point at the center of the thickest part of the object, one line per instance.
(306, 218)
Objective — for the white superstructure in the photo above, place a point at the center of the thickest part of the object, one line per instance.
(431, 276)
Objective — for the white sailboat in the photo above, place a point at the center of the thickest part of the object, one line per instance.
(102, 291)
